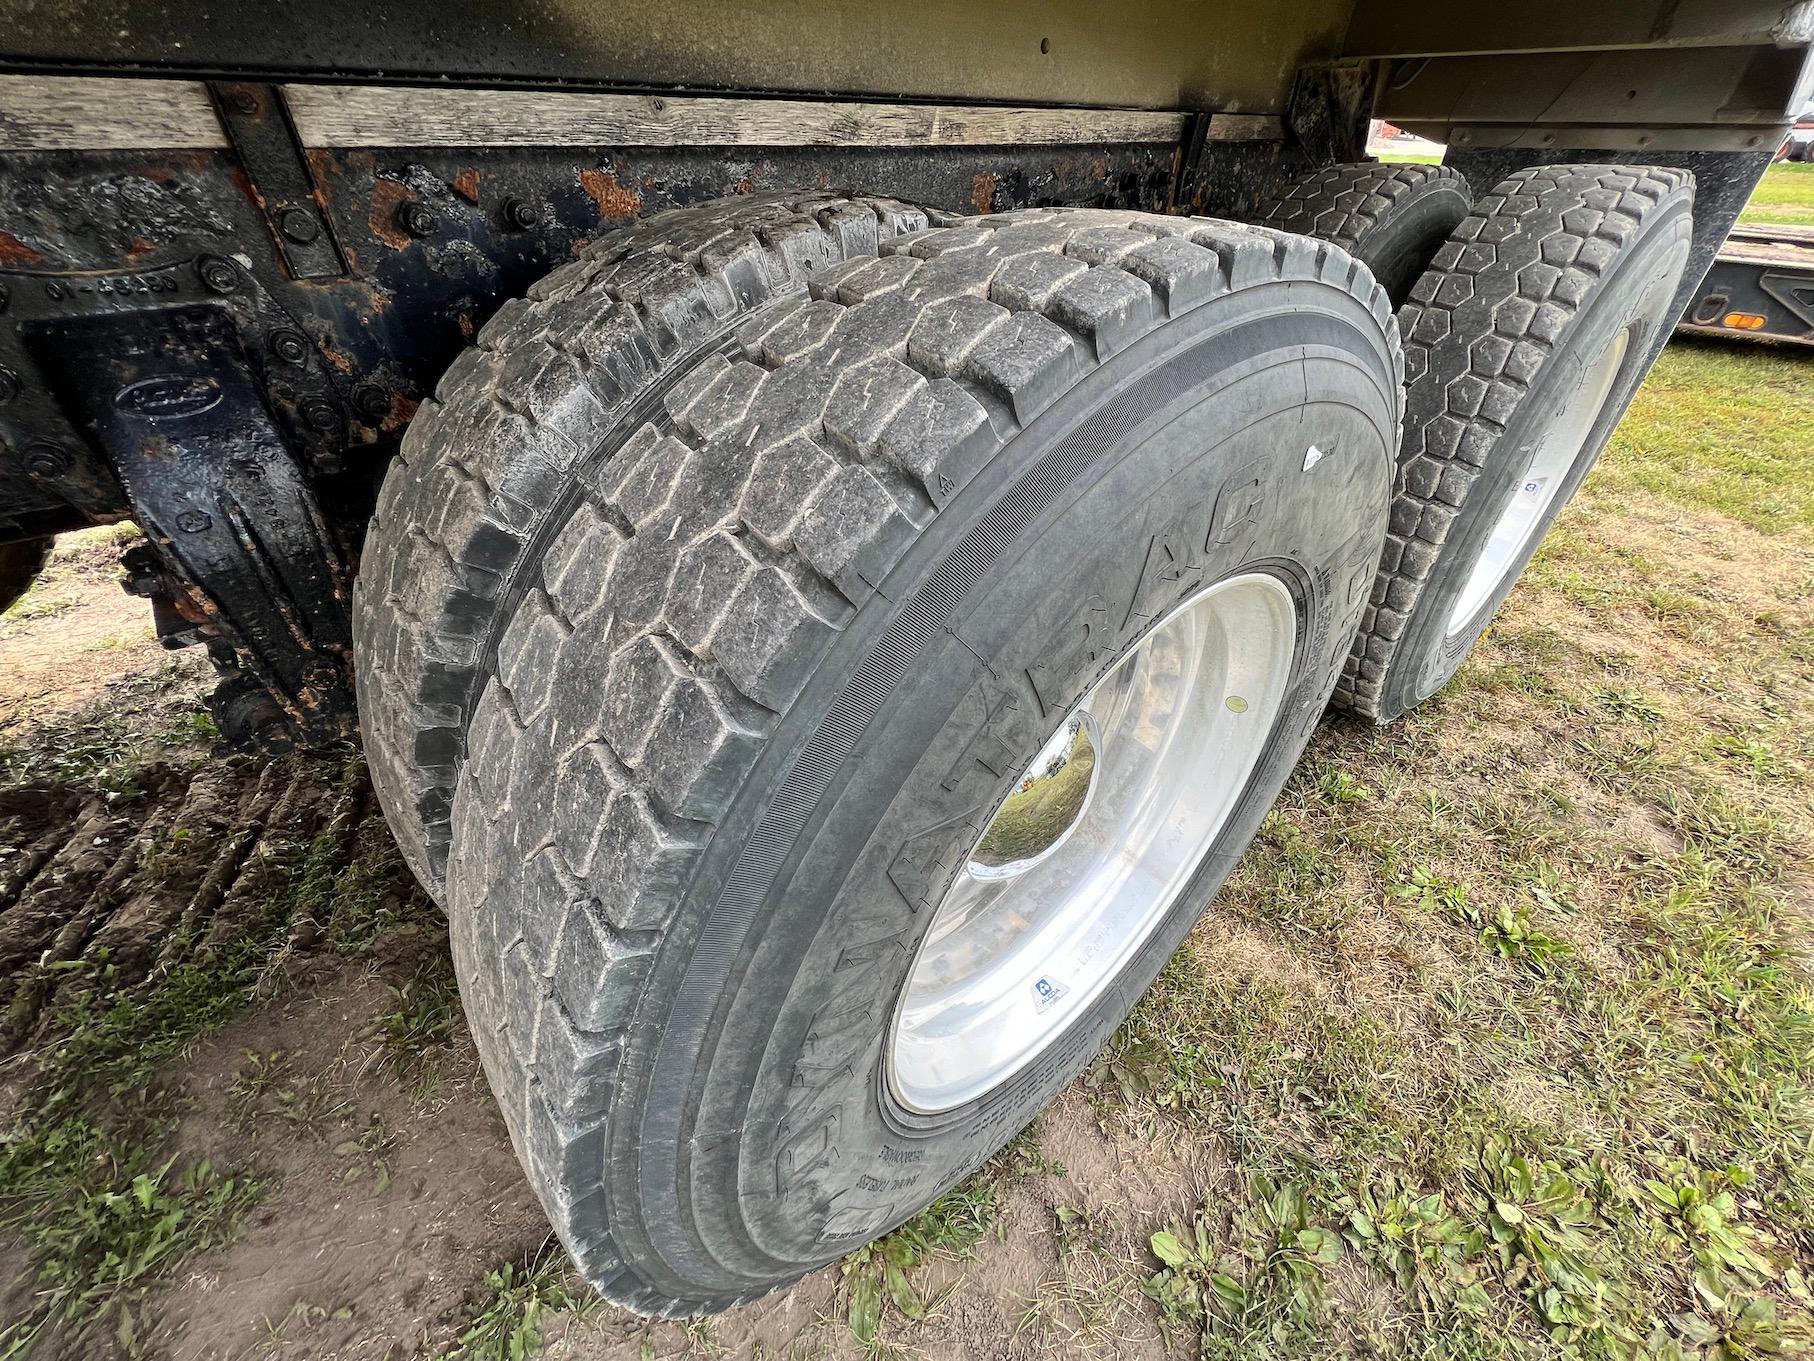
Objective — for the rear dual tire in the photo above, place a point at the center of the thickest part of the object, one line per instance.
(793, 641)
(1525, 341)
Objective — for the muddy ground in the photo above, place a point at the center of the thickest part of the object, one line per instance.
(341, 1084)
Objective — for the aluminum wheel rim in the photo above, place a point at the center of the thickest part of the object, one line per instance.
(1080, 864)
(1539, 484)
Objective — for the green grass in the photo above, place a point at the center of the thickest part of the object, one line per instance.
(1784, 198)
(1724, 428)
(507, 1325)
(1507, 1010)
(1035, 816)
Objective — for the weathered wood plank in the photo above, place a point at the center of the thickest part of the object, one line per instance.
(105, 113)
(1246, 127)
(358, 115)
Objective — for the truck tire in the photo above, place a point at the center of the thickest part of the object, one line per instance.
(1392, 218)
(1524, 344)
(944, 532)
(552, 377)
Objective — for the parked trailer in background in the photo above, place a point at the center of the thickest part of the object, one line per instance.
(1761, 284)
(832, 522)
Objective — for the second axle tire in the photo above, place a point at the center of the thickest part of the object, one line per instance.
(1524, 344)
(1392, 218)
(1052, 507)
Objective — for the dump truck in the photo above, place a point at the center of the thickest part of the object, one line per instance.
(832, 522)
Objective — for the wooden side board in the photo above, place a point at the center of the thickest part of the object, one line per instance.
(358, 115)
(90, 113)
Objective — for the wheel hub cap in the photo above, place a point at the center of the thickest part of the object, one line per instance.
(1093, 844)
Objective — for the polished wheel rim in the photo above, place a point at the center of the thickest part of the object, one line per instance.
(1541, 482)
(1094, 844)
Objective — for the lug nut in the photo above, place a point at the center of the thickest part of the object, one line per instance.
(9, 385)
(318, 413)
(415, 219)
(371, 403)
(299, 225)
(45, 459)
(520, 215)
(290, 347)
(217, 275)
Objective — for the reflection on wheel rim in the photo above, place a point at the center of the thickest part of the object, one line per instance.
(1541, 482)
(1095, 842)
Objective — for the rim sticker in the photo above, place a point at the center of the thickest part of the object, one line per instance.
(1046, 992)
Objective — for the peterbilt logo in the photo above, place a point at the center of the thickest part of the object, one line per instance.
(168, 395)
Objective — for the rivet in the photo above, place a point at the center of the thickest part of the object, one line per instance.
(415, 219)
(217, 275)
(290, 347)
(299, 224)
(45, 459)
(193, 521)
(243, 101)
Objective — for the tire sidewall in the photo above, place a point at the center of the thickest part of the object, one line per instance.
(793, 1153)
(1636, 299)
(1399, 247)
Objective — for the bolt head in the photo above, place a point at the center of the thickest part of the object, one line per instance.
(299, 225)
(9, 385)
(217, 275)
(193, 521)
(371, 403)
(290, 347)
(45, 459)
(415, 219)
(519, 214)
(243, 102)
(318, 413)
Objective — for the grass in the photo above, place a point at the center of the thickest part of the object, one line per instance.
(1507, 1011)
(1784, 198)
(1034, 816)
(507, 1325)
(105, 747)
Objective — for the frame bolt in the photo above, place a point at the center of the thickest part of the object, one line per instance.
(290, 347)
(519, 214)
(9, 385)
(318, 413)
(415, 219)
(217, 275)
(299, 225)
(193, 521)
(371, 403)
(45, 459)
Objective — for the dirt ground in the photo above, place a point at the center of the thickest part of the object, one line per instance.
(246, 1121)
(342, 1082)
